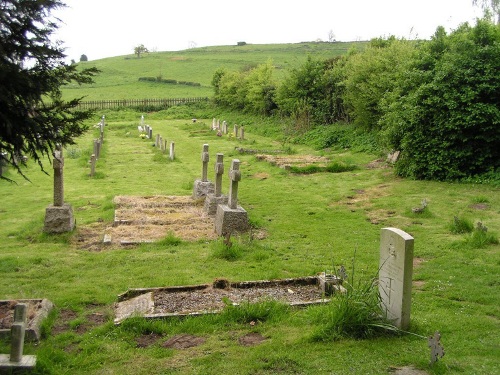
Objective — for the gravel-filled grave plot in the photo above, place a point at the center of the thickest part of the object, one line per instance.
(212, 298)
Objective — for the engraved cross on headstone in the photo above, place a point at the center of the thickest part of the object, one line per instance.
(58, 165)
(235, 177)
(219, 171)
(205, 158)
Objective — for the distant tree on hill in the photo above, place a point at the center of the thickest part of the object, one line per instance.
(84, 58)
(139, 50)
(34, 118)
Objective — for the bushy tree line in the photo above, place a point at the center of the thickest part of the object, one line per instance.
(437, 101)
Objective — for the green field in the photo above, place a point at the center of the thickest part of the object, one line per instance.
(309, 223)
(119, 75)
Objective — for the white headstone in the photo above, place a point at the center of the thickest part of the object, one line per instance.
(395, 275)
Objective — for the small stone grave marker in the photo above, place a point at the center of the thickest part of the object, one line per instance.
(59, 216)
(203, 187)
(231, 217)
(395, 275)
(214, 199)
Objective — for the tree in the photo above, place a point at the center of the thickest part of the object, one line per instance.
(446, 118)
(139, 50)
(489, 5)
(84, 58)
(34, 118)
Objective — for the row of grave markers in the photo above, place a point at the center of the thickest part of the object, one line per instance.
(229, 216)
(160, 143)
(238, 131)
(96, 152)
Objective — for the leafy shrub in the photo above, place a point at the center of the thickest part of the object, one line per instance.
(445, 115)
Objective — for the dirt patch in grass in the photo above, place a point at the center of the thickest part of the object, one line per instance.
(480, 206)
(183, 341)
(62, 323)
(286, 161)
(251, 339)
(147, 340)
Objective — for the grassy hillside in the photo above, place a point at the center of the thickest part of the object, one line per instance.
(119, 76)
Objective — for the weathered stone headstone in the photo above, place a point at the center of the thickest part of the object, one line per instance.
(172, 151)
(235, 131)
(17, 360)
(395, 275)
(214, 199)
(59, 216)
(231, 217)
(92, 165)
(242, 133)
(224, 127)
(157, 141)
(203, 187)
(150, 135)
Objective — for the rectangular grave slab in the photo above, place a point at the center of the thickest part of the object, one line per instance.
(212, 298)
(38, 310)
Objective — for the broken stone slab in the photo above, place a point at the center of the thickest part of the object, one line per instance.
(42, 308)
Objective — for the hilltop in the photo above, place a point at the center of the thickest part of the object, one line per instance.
(119, 78)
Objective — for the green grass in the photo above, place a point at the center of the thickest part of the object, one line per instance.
(302, 224)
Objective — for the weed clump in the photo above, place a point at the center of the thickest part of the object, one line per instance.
(460, 225)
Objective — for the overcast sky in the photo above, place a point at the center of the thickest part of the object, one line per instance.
(105, 28)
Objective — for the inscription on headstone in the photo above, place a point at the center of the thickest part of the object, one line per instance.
(395, 275)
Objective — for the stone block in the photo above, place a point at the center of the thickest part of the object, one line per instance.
(228, 220)
(59, 219)
(211, 203)
(202, 189)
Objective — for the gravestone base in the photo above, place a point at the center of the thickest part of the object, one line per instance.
(59, 219)
(202, 189)
(27, 362)
(211, 203)
(228, 220)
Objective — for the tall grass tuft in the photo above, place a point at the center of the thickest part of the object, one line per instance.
(225, 249)
(356, 313)
(460, 225)
(258, 312)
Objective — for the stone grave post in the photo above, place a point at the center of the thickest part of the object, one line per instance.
(242, 133)
(395, 275)
(59, 216)
(161, 145)
(203, 187)
(17, 360)
(172, 151)
(235, 131)
(214, 199)
(231, 217)
(224, 127)
(92, 165)
(157, 141)
(150, 135)
(214, 124)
